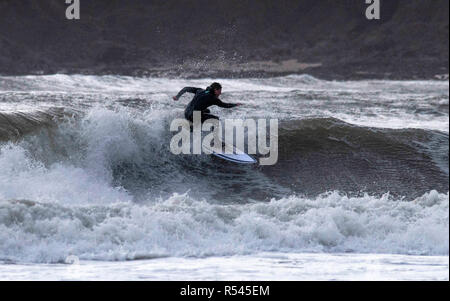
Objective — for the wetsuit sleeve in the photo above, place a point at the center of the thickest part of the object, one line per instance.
(222, 104)
(187, 89)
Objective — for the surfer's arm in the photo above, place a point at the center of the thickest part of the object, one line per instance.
(184, 90)
(224, 104)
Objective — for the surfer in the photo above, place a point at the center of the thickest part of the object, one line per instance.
(202, 100)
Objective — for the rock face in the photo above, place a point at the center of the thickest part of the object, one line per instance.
(173, 37)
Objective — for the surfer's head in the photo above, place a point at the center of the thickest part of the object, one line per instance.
(216, 88)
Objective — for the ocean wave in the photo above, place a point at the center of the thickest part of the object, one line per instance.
(15, 124)
(183, 226)
(328, 154)
(86, 170)
(131, 150)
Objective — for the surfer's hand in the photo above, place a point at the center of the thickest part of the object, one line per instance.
(175, 98)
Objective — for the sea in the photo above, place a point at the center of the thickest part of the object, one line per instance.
(90, 190)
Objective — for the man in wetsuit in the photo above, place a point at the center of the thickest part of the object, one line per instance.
(204, 99)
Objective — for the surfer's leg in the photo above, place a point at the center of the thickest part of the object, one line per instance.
(206, 116)
(188, 116)
(190, 119)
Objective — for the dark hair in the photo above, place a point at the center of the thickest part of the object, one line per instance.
(215, 86)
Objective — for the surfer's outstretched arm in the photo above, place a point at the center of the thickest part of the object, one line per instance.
(186, 89)
(225, 105)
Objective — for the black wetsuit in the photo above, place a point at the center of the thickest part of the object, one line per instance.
(201, 101)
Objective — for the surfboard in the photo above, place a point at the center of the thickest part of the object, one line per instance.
(230, 153)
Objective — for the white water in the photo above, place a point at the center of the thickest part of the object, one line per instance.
(181, 226)
(389, 104)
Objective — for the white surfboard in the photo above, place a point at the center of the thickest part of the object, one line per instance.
(230, 153)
